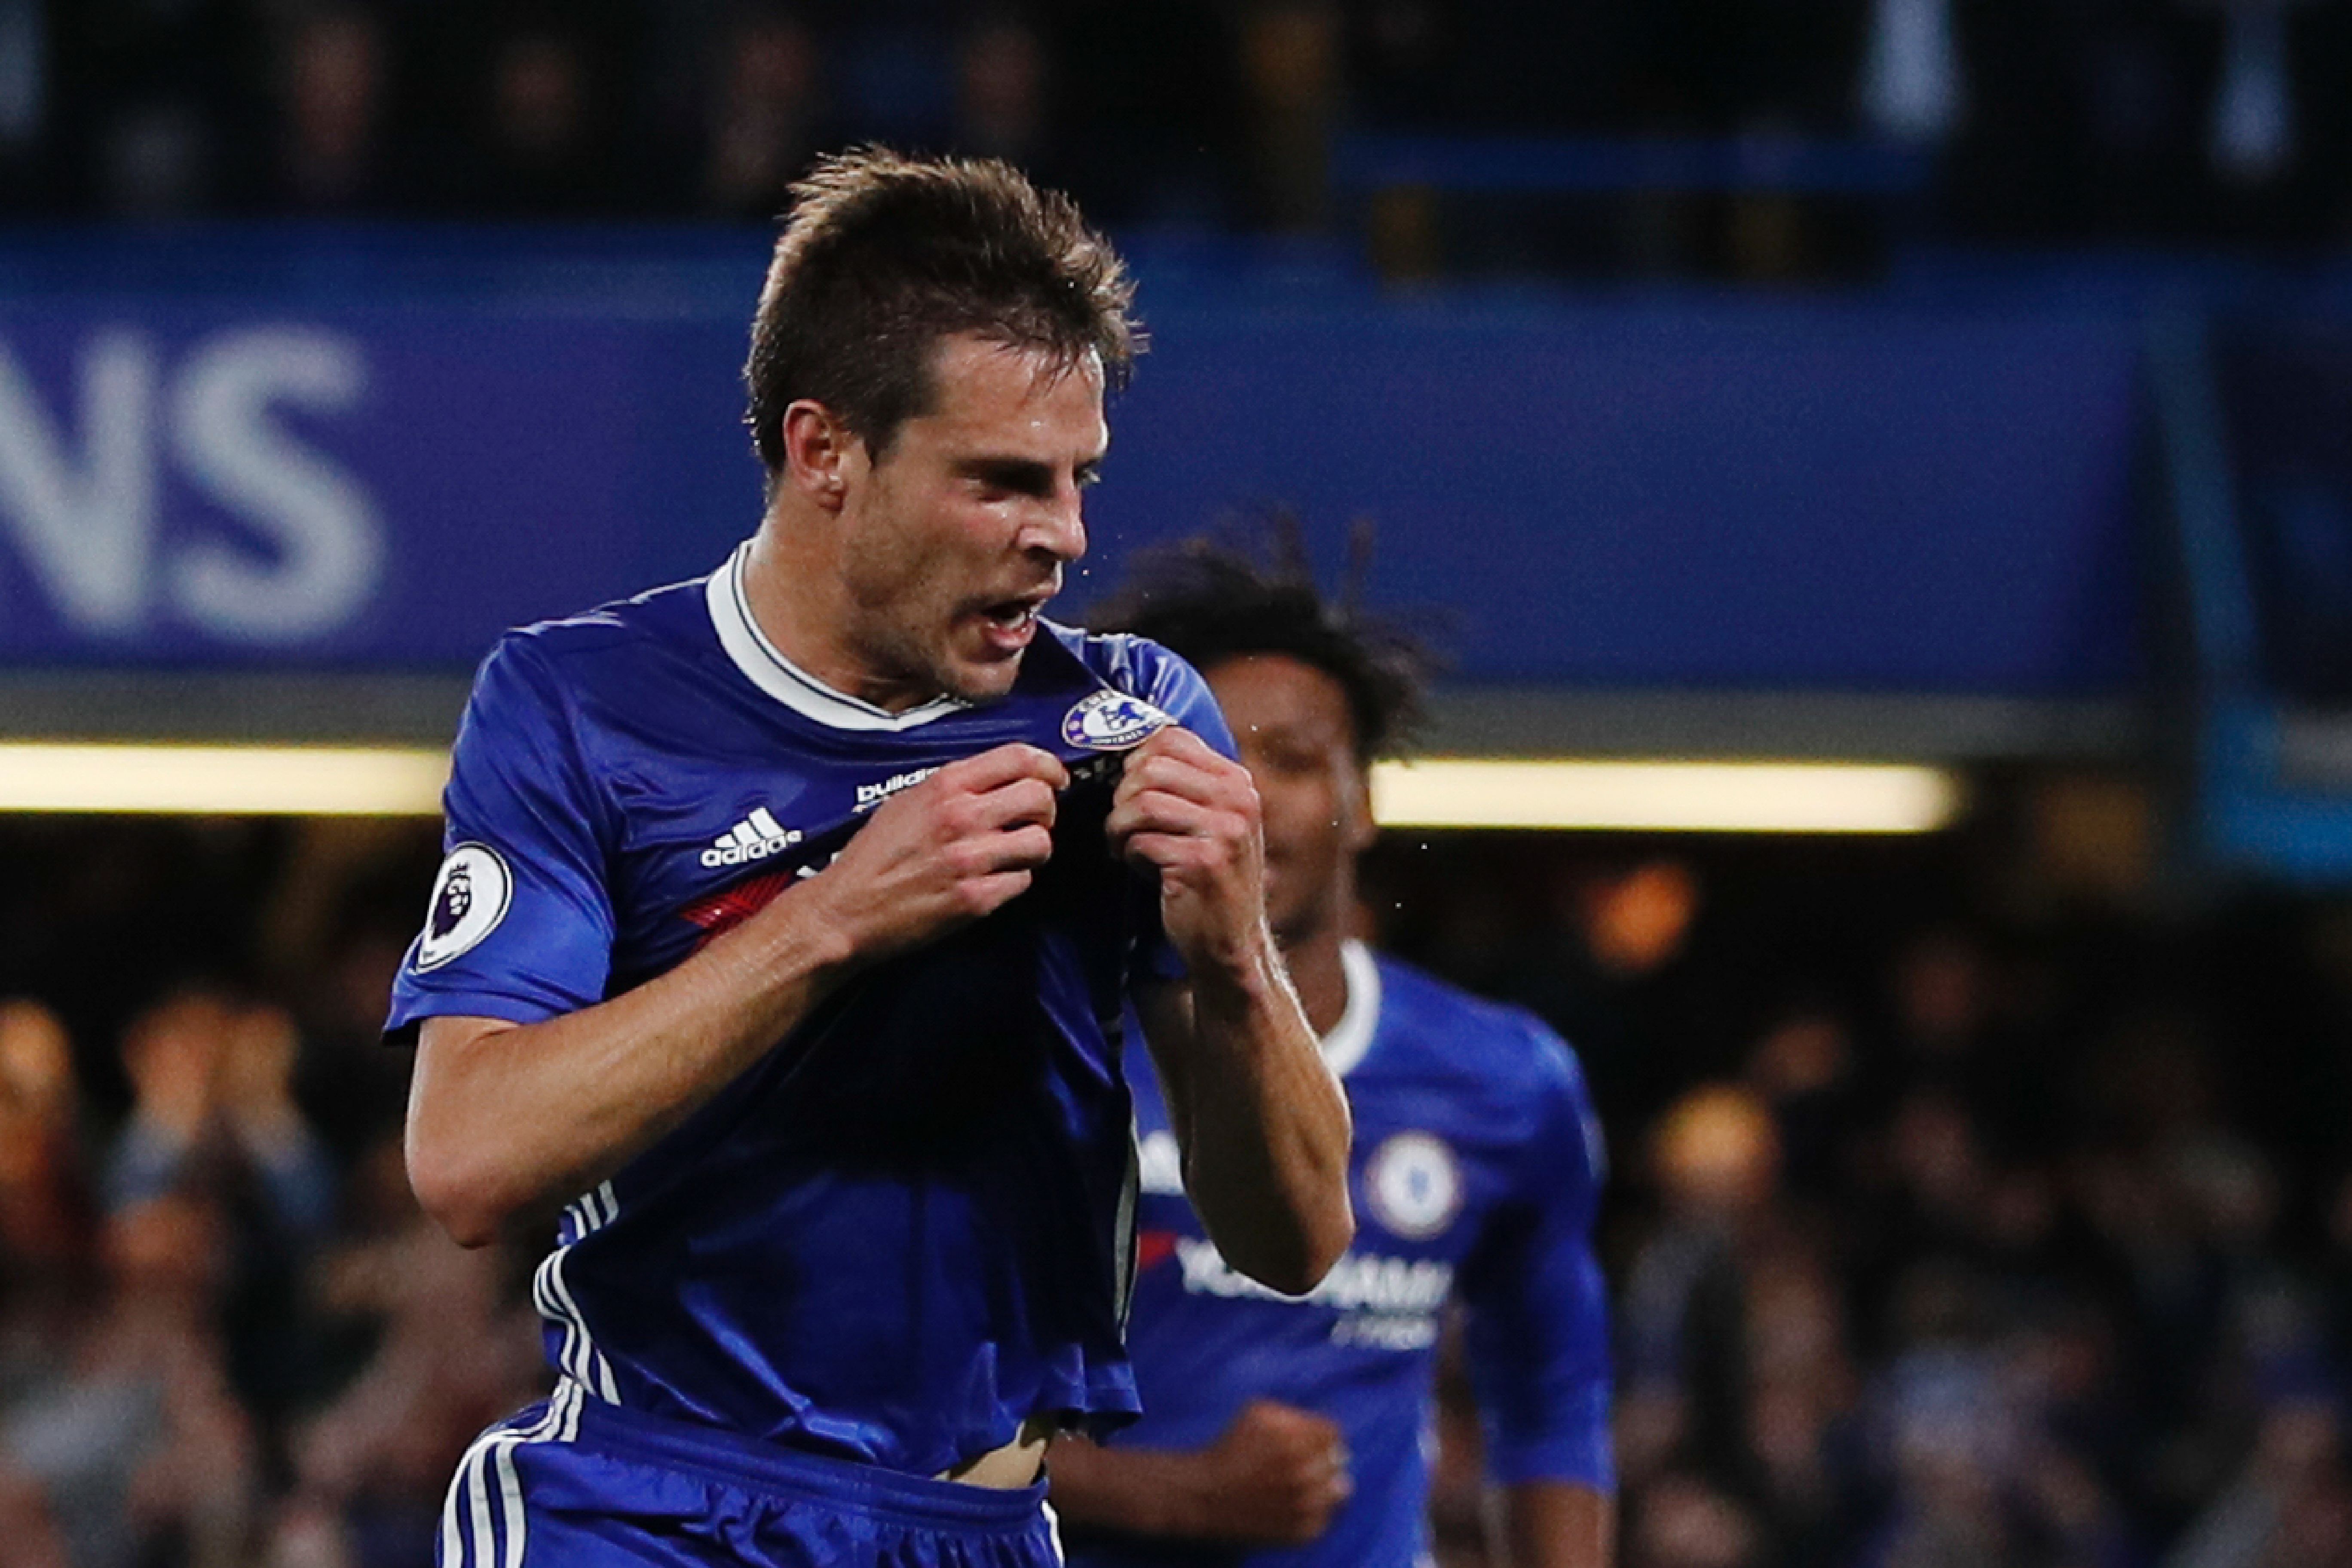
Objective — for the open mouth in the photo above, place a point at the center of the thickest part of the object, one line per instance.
(1019, 612)
(1010, 623)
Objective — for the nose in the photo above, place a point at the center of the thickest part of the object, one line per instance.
(1062, 525)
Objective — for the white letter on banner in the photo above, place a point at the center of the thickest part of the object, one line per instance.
(87, 535)
(330, 545)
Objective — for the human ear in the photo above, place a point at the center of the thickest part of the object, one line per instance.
(819, 450)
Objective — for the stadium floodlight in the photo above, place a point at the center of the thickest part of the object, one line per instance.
(1430, 792)
(223, 780)
(1663, 796)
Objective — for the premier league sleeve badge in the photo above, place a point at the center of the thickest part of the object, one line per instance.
(469, 899)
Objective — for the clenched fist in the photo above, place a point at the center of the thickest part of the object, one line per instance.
(1275, 1476)
(961, 844)
(1191, 815)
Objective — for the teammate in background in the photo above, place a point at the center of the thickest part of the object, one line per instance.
(782, 917)
(1293, 1431)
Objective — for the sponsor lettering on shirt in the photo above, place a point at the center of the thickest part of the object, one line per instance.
(870, 795)
(1386, 1303)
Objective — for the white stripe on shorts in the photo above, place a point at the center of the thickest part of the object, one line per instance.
(578, 1357)
(465, 1516)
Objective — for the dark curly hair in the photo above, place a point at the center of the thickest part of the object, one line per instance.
(1211, 599)
(884, 255)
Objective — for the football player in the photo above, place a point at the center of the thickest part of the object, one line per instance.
(1294, 1430)
(787, 919)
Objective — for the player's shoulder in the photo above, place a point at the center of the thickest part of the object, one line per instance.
(1496, 1041)
(1137, 665)
(556, 659)
(671, 613)
(1501, 1067)
(1146, 670)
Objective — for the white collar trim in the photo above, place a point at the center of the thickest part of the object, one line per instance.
(1352, 1037)
(765, 666)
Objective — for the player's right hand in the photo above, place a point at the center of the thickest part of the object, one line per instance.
(959, 846)
(1275, 1477)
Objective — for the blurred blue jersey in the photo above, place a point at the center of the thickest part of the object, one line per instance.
(906, 1228)
(1475, 1173)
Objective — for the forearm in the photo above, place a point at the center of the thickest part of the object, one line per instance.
(1558, 1524)
(514, 1122)
(1264, 1126)
(1143, 1491)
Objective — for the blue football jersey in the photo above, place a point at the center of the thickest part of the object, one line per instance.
(907, 1228)
(1475, 1173)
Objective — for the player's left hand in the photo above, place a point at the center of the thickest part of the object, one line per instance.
(1191, 815)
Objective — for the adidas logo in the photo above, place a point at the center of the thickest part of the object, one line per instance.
(755, 837)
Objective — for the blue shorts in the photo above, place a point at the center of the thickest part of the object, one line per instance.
(574, 1482)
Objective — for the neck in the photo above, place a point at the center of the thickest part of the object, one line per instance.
(798, 597)
(1316, 971)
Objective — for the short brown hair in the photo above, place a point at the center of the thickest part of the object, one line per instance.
(883, 255)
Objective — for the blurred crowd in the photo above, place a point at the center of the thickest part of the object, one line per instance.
(1946, 1226)
(2081, 119)
(2001, 1237)
(228, 1337)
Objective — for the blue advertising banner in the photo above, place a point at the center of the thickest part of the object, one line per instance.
(220, 484)
(1746, 495)
(1757, 495)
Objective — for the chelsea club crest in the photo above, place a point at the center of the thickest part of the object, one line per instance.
(1414, 1185)
(1111, 721)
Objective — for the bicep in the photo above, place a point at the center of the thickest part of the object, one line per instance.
(449, 1047)
(447, 1036)
(446, 1135)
